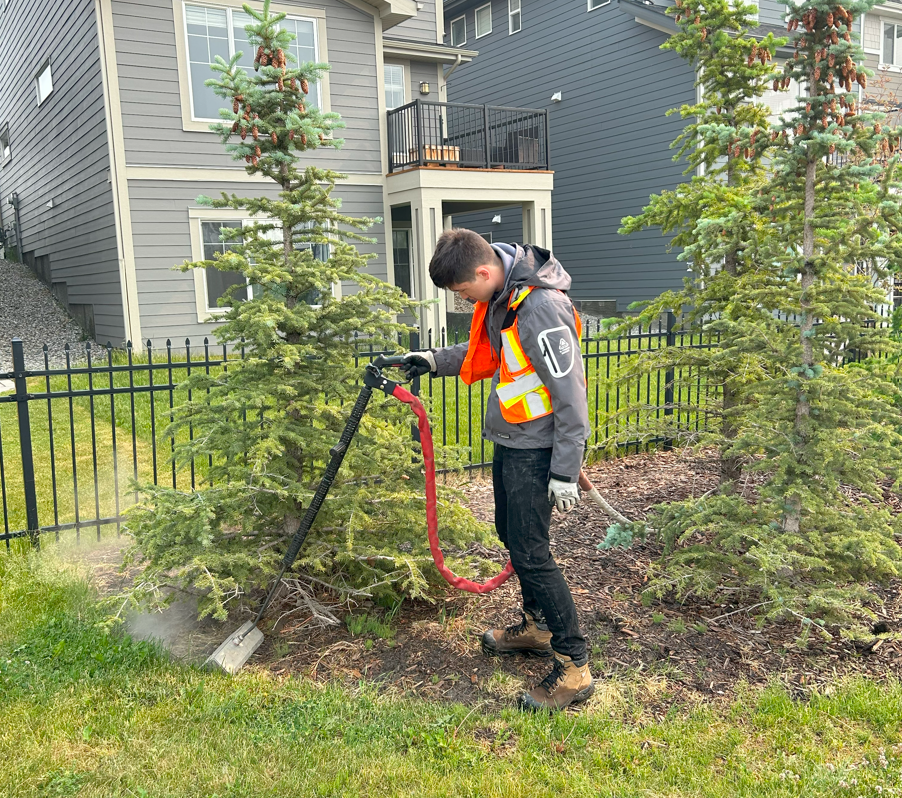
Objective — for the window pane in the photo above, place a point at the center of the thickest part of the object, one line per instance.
(219, 282)
(459, 31)
(394, 86)
(303, 48)
(515, 22)
(45, 83)
(401, 249)
(514, 5)
(897, 50)
(888, 44)
(208, 36)
(484, 20)
(239, 34)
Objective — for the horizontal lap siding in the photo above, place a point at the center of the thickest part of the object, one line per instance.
(149, 86)
(161, 232)
(419, 28)
(423, 71)
(60, 152)
(510, 231)
(610, 138)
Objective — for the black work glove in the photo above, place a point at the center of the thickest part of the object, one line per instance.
(416, 364)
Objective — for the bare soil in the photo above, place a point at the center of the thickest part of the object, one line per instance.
(684, 652)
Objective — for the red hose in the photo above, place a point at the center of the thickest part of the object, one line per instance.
(451, 578)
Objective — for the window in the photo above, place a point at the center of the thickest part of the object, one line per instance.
(458, 31)
(593, 4)
(5, 151)
(220, 32)
(394, 86)
(892, 46)
(484, 20)
(45, 83)
(513, 16)
(487, 237)
(217, 282)
(401, 248)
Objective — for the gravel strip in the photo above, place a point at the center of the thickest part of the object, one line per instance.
(29, 311)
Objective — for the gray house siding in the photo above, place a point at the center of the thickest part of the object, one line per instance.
(421, 28)
(166, 296)
(423, 71)
(609, 136)
(510, 231)
(151, 108)
(60, 153)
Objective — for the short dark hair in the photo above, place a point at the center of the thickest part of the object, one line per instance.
(458, 253)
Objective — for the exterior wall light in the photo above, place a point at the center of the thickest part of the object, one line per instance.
(424, 87)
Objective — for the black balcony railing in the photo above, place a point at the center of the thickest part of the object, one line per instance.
(425, 133)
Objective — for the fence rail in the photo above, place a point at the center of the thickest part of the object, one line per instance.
(73, 438)
(424, 133)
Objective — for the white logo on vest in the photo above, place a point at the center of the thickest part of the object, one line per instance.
(558, 351)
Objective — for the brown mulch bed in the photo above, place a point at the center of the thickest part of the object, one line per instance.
(682, 653)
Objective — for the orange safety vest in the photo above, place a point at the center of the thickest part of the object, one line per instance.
(521, 393)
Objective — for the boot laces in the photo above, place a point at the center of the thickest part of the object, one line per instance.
(557, 675)
(516, 629)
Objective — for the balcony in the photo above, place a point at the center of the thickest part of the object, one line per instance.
(459, 136)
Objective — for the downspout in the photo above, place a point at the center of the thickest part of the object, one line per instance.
(446, 75)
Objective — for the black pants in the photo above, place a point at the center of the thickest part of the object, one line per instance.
(522, 517)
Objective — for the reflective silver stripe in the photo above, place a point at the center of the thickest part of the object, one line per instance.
(535, 404)
(510, 358)
(519, 387)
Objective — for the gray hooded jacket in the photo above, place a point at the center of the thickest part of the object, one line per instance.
(548, 336)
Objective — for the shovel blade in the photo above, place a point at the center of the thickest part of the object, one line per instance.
(234, 653)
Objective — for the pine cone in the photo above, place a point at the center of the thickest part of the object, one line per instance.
(254, 160)
(753, 137)
(291, 135)
(304, 139)
(678, 3)
(243, 133)
(829, 19)
(817, 73)
(750, 60)
(281, 85)
(305, 86)
(834, 37)
(322, 137)
(776, 85)
(878, 128)
(800, 129)
(847, 36)
(704, 34)
(697, 20)
(796, 56)
(260, 52)
(863, 80)
(807, 108)
(258, 152)
(247, 158)
(280, 55)
(264, 60)
(763, 56)
(235, 127)
(255, 131)
(831, 60)
(275, 137)
(235, 106)
(832, 148)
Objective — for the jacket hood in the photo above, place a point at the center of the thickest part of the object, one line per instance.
(533, 266)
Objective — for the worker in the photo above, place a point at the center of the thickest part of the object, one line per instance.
(525, 337)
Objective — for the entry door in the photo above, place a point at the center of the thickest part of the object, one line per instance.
(401, 248)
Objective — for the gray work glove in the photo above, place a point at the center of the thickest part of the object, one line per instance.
(416, 364)
(565, 495)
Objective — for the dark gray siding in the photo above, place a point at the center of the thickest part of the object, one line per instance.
(420, 28)
(151, 109)
(609, 137)
(510, 231)
(60, 152)
(771, 12)
(167, 298)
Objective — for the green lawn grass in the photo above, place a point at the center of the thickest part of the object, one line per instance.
(86, 712)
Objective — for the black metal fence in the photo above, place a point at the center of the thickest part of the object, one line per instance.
(424, 133)
(75, 436)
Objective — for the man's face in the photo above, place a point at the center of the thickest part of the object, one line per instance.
(480, 289)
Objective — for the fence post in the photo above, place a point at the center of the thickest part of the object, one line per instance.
(420, 134)
(485, 126)
(22, 397)
(415, 384)
(669, 375)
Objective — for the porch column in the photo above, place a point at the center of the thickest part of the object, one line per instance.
(529, 224)
(543, 225)
(427, 221)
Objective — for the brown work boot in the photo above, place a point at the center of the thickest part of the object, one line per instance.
(567, 684)
(526, 637)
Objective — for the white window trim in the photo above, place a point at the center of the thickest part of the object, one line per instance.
(476, 20)
(4, 158)
(451, 31)
(315, 15)
(195, 217)
(404, 82)
(510, 17)
(46, 65)
(590, 7)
